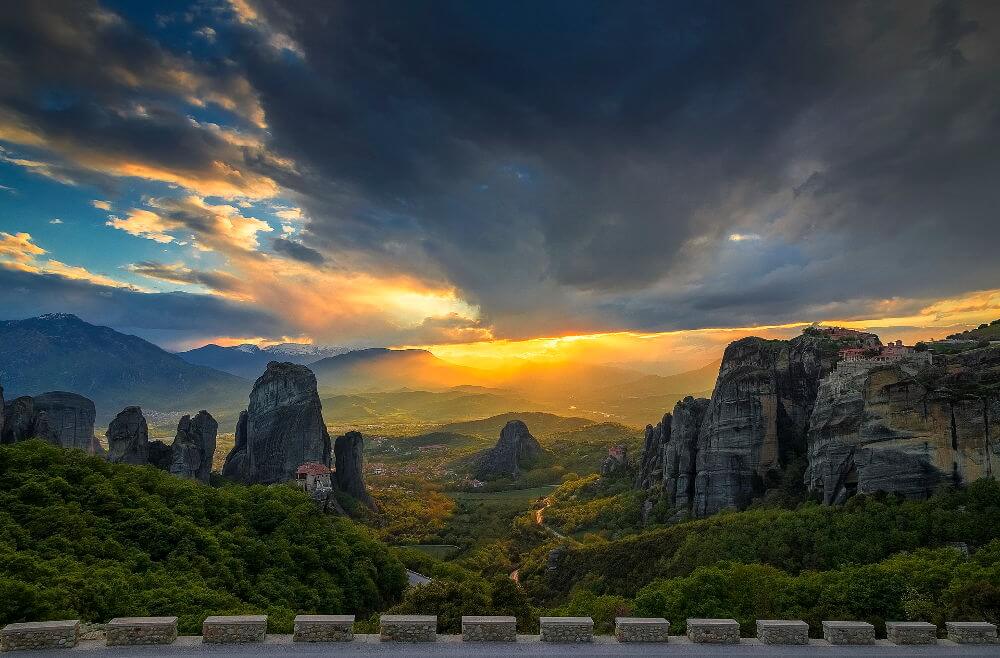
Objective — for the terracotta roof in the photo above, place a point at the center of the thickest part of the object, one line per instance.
(312, 468)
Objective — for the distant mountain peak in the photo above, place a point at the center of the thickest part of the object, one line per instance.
(61, 317)
(249, 348)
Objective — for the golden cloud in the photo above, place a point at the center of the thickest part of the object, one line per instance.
(19, 252)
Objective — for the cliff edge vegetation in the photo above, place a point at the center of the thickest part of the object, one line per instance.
(83, 538)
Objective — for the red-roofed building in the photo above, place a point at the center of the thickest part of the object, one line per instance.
(313, 477)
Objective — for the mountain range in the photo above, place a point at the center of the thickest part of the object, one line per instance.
(63, 352)
(249, 361)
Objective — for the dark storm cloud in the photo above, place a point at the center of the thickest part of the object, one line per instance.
(168, 317)
(96, 98)
(566, 165)
(298, 251)
(594, 158)
(214, 280)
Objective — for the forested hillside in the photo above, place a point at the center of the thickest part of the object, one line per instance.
(82, 538)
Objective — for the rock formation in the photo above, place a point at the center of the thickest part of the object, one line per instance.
(904, 428)
(60, 418)
(348, 457)
(651, 463)
(70, 420)
(283, 427)
(236, 466)
(19, 419)
(680, 453)
(616, 462)
(758, 417)
(128, 438)
(194, 447)
(517, 449)
(159, 454)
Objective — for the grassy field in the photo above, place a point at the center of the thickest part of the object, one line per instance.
(436, 551)
(512, 495)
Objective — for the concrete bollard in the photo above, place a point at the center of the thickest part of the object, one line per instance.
(971, 632)
(782, 631)
(323, 628)
(489, 629)
(713, 631)
(236, 629)
(911, 632)
(642, 629)
(566, 629)
(127, 631)
(40, 635)
(848, 632)
(408, 628)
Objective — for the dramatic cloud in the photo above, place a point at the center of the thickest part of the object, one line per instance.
(298, 251)
(95, 99)
(386, 171)
(170, 319)
(595, 165)
(19, 252)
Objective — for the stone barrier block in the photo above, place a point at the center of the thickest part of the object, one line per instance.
(848, 632)
(971, 632)
(642, 629)
(40, 635)
(237, 629)
(323, 628)
(782, 631)
(408, 628)
(125, 631)
(566, 629)
(713, 631)
(489, 629)
(911, 632)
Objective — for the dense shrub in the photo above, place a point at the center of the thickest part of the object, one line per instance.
(866, 530)
(83, 538)
(925, 585)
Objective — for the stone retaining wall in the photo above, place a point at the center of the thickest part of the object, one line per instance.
(911, 632)
(971, 632)
(642, 629)
(125, 631)
(782, 631)
(408, 628)
(489, 629)
(323, 628)
(40, 635)
(848, 632)
(713, 631)
(566, 629)
(239, 629)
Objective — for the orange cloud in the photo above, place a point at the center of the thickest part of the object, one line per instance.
(19, 252)
(688, 349)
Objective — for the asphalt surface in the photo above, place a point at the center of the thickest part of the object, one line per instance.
(369, 645)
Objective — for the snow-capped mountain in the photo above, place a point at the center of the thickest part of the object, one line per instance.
(249, 360)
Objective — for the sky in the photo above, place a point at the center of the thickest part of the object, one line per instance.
(634, 182)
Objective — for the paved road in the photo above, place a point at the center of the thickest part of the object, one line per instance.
(368, 645)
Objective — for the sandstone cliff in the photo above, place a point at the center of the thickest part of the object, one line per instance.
(348, 456)
(905, 428)
(517, 449)
(194, 446)
(650, 472)
(680, 453)
(758, 417)
(284, 427)
(63, 419)
(128, 438)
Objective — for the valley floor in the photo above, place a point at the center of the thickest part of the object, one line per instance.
(527, 645)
